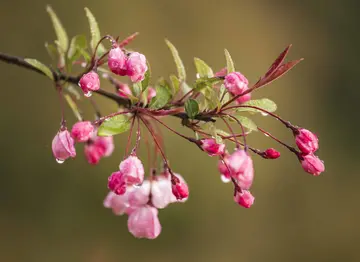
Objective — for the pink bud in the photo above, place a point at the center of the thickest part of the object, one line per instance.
(133, 170)
(139, 196)
(144, 222)
(124, 90)
(89, 82)
(312, 164)
(271, 153)
(244, 198)
(117, 61)
(98, 147)
(161, 192)
(306, 141)
(116, 183)
(221, 73)
(93, 154)
(118, 203)
(242, 169)
(63, 146)
(151, 93)
(236, 83)
(179, 188)
(136, 67)
(244, 98)
(82, 131)
(210, 146)
(105, 144)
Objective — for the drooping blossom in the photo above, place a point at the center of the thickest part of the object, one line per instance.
(98, 147)
(306, 141)
(144, 222)
(133, 170)
(271, 153)
(82, 131)
(117, 61)
(312, 164)
(210, 146)
(241, 167)
(63, 146)
(136, 67)
(89, 82)
(244, 198)
(179, 187)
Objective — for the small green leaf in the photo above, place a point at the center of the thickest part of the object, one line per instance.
(136, 89)
(222, 132)
(211, 99)
(224, 95)
(73, 106)
(175, 83)
(52, 51)
(229, 62)
(247, 123)
(95, 33)
(115, 125)
(203, 69)
(191, 108)
(163, 95)
(184, 87)
(145, 83)
(43, 68)
(77, 44)
(263, 103)
(179, 64)
(62, 38)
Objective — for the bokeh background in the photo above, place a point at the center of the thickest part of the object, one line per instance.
(51, 212)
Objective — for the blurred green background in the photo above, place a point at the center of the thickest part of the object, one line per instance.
(51, 212)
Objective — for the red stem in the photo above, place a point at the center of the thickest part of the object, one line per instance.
(232, 132)
(129, 137)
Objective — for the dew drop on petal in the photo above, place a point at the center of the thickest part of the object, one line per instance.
(88, 94)
(60, 161)
(137, 185)
(224, 179)
(266, 135)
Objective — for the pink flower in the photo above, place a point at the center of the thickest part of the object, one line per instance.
(144, 222)
(243, 99)
(140, 196)
(116, 183)
(133, 170)
(124, 90)
(236, 83)
(271, 153)
(105, 144)
(93, 154)
(221, 73)
(244, 198)
(210, 146)
(136, 67)
(241, 166)
(161, 192)
(179, 187)
(89, 82)
(98, 147)
(117, 61)
(306, 141)
(312, 164)
(118, 203)
(151, 93)
(82, 131)
(223, 167)
(63, 146)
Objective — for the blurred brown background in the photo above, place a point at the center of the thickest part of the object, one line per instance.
(51, 212)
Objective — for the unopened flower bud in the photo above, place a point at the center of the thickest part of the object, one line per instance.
(312, 164)
(221, 73)
(179, 188)
(136, 67)
(82, 131)
(242, 169)
(144, 222)
(124, 90)
(161, 192)
(116, 183)
(271, 153)
(140, 195)
(210, 146)
(93, 154)
(236, 83)
(117, 61)
(118, 203)
(306, 141)
(98, 147)
(89, 82)
(244, 198)
(63, 146)
(244, 98)
(133, 170)
(151, 93)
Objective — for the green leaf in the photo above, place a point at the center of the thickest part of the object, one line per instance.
(247, 123)
(136, 89)
(115, 125)
(211, 99)
(145, 83)
(163, 95)
(224, 94)
(203, 69)
(52, 51)
(179, 64)
(43, 68)
(191, 108)
(73, 106)
(95, 33)
(175, 83)
(263, 103)
(62, 38)
(229, 62)
(77, 45)
(222, 132)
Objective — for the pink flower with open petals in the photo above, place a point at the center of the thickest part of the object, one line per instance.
(144, 222)
(161, 192)
(118, 203)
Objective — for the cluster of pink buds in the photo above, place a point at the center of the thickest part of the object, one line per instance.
(63, 145)
(237, 84)
(141, 202)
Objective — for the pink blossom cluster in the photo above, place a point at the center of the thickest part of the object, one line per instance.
(237, 84)
(142, 201)
(63, 144)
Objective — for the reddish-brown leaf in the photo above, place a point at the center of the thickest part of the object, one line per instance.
(278, 62)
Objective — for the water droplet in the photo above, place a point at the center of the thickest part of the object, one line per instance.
(88, 94)
(197, 76)
(83, 64)
(224, 179)
(60, 161)
(264, 114)
(137, 185)
(266, 135)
